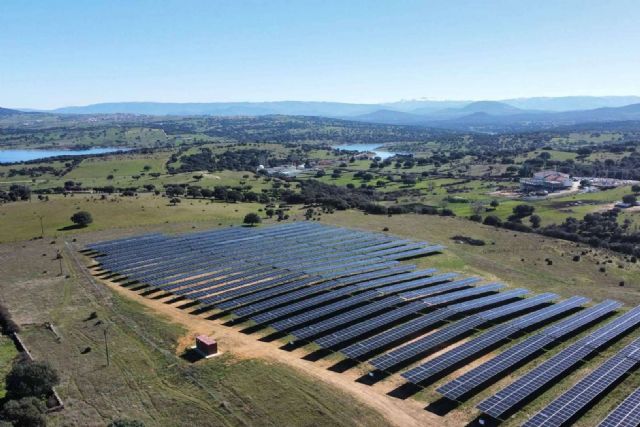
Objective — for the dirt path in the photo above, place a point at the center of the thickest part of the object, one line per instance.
(397, 412)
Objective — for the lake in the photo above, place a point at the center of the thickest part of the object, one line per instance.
(372, 148)
(12, 156)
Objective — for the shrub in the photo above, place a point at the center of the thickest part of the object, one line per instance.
(30, 378)
(252, 219)
(82, 218)
(492, 220)
(27, 412)
(523, 210)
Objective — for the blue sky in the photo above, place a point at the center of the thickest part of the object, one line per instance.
(65, 52)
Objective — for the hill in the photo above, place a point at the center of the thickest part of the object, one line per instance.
(8, 112)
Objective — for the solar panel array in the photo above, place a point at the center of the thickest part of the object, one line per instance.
(488, 339)
(517, 392)
(521, 352)
(347, 291)
(574, 400)
(454, 331)
(627, 414)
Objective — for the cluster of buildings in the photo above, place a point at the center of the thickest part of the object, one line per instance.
(546, 181)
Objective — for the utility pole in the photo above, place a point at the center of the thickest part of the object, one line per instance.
(41, 226)
(106, 345)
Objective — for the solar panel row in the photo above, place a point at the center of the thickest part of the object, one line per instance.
(570, 403)
(489, 339)
(402, 332)
(522, 352)
(517, 392)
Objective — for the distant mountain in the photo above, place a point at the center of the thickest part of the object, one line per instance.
(491, 107)
(8, 112)
(499, 117)
(391, 117)
(572, 103)
(300, 108)
(422, 107)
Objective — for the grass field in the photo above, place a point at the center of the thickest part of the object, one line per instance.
(8, 352)
(516, 258)
(146, 379)
(21, 220)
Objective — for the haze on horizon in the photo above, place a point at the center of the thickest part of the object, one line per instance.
(71, 52)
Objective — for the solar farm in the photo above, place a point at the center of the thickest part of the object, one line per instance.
(358, 295)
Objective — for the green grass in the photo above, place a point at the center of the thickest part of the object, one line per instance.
(146, 379)
(21, 220)
(515, 258)
(8, 352)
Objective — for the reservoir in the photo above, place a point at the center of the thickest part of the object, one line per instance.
(12, 156)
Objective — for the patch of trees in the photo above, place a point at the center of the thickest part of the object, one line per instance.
(16, 192)
(331, 196)
(34, 172)
(598, 230)
(29, 384)
(235, 194)
(239, 160)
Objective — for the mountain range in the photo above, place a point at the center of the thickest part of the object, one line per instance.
(487, 116)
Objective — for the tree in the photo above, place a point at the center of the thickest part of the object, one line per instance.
(535, 221)
(492, 220)
(26, 412)
(174, 201)
(252, 219)
(125, 423)
(495, 203)
(630, 199)
(635, 188)
(82, 218)
(30, 378)
(523, 210)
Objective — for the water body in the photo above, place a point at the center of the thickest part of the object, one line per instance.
(371, 148)
(12, 156)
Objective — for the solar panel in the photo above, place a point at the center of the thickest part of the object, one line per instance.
(452, 331)
(522, 351)
(505, 400)
(373, 307)
(327, 297)
(487, 340)
(420, 324)
(391, 316)
(627, 414)
(571, 402)
(270, 299)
